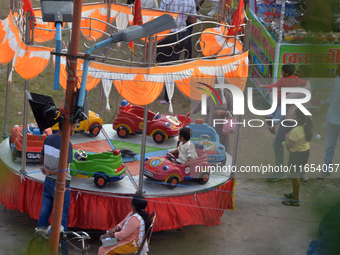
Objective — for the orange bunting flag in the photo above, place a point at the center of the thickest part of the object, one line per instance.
(27, 7)
(137, 20)
(238, 19)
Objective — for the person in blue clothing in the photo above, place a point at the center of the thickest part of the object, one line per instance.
(50, 160)
(333, 126)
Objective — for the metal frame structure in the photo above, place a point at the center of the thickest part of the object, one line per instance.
(149, 49)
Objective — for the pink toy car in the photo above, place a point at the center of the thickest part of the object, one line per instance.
(162, 169)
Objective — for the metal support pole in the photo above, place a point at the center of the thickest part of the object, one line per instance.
(57, 58)
(142, 155)
(8, 90)
(246, 36)
(282, 17)
(211, 113)
(107, 31)
(222, 12)
(108, 15)
(65, 136)
(145, 125)
(233, 163)
(150, 50)
(24, 128)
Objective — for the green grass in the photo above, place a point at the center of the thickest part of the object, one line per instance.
(134, 147)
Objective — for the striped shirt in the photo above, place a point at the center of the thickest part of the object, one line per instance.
(51, 152)
(183, 7)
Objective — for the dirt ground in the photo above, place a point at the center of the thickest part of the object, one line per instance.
(260, 225)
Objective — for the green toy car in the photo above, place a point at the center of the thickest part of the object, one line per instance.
(104, 167)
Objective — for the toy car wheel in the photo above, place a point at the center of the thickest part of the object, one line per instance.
(172, 182)
(100, 181)
(159, 137)
(94, 130)
(204, 178)
(123, 132)
(15, 154)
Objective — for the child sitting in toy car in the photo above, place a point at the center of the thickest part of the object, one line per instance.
(186, 149)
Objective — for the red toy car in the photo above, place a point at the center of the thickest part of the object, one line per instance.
(160, 127)
(35, 141)
(162, 169)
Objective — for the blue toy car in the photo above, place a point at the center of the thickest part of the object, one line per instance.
(207, 136)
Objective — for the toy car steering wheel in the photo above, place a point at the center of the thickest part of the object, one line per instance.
(156, 116)
(204, 136)
(30, 126)
(82, 154)
(170, 156)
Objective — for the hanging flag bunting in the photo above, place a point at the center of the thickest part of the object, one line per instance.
(27, 7)
(238, 19)
(137, 20)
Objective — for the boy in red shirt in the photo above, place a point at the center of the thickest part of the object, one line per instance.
(286, 81)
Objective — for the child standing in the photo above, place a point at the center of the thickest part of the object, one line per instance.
(186, 150)
(287, 80)
(297, 142)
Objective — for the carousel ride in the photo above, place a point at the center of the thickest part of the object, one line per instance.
(220, 55)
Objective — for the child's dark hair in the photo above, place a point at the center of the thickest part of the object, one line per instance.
(139, 203)
(307, 121)
(185, 133)
(288, 69)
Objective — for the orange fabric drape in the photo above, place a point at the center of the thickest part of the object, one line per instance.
(138, 91)
(90, 26)
(91, 81)
(6, 53)
(239, 76)
(228, 48)
(140, 88)
(212, 44)
(3, 29)
(190, 86)
(31, 64)
(8, 46)
(205, 208)
(208, 41)
(41, 36)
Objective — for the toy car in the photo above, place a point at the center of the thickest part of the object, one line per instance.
(160, 127)
(35, 141)
(104, 167)
(162, 169)
(92, 125)
(207, 136)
